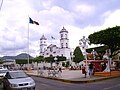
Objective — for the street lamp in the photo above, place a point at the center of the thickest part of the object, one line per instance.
(93, 53)
(84, 44)
(55, 60)
(72, 58)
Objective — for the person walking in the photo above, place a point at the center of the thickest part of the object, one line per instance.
(83, 70)
(59, 72)
(91, 69)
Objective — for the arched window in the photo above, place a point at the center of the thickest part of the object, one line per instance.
(62, 45)
(41, 42)
(66, 45)
(65, 35)
(61, 35)
(51, 49)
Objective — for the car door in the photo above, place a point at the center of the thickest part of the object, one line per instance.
(6, 84)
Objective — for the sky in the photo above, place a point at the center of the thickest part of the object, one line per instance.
(79, 17)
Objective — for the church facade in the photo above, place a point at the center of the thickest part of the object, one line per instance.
(54, 50)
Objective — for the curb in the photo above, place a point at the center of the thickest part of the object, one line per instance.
(77, 81)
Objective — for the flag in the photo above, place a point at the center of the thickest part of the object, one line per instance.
(52, 37)
(33, 22)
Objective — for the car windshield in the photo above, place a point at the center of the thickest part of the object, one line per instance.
(3, 71)
(18, 75)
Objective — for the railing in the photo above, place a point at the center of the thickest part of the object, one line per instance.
(41, 72)
(50, 73)
(54, 73)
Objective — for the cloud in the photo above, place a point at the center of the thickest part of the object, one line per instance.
(80, 18)
(113, 19)
(84, 9)
(75, 33)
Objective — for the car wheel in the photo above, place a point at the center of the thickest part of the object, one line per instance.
(4, 87)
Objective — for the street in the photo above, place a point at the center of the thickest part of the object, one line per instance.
(47, 84)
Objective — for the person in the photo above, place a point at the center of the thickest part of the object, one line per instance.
(117, 66)
(40, 72)
(60, 72)
(91, 69)
(83, 70)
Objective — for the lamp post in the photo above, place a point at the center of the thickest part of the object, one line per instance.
(93, 53)
(84, 44)
(72, 58)
(55, 60)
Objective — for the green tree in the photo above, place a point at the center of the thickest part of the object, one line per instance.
(109, 37)
(63, 64)
(61, 58)
(38, 59)
(78, 56)
(50, 60)
(22, 61)
(1, 61)
(67, 64)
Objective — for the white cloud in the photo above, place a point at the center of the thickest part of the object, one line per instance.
(113, 19)
(84, 9)
(52, 17)
(75, 33)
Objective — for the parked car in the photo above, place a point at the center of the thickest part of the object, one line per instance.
(3, 71)
(18, 80)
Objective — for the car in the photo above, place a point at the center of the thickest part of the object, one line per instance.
(3, 72)
(18, 80)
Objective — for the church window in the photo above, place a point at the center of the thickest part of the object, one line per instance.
(51, 55)
(65, 35)
(66, 45)
(41, 42)
(61, 35)
(44, 49)
(51, 49)
(62, 45)
(54, 52)
(40, 49)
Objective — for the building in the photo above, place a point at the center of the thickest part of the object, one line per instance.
(54, 50)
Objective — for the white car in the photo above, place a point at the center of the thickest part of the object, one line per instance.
(3, 71)
(18, 80)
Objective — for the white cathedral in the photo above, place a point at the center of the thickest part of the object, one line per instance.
(54, 50)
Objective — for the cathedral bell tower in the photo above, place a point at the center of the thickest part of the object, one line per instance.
(64, 41)
(43, 45)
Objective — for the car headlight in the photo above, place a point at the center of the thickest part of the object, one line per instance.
(13, 85)
(32, 83)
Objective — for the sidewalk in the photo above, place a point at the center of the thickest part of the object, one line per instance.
(71, 76)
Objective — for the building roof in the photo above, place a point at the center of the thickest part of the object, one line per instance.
(51, 45)
(43, 38)
(63, 30)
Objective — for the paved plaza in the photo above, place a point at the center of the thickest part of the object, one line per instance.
(73, 76)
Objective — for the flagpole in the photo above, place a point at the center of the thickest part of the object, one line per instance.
(32, 22)
(28, 44)
(1, 5)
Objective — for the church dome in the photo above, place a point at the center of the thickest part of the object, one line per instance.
(43, 38)
(63, 30)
